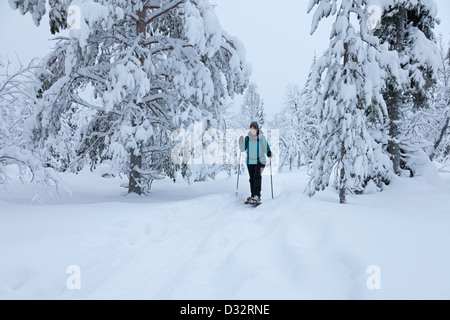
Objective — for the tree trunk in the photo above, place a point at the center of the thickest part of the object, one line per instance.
(134, 185)
(342, 180)
(393, 98)
(394, 104)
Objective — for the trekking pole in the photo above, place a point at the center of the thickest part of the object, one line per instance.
(239, 173)
(271, 176)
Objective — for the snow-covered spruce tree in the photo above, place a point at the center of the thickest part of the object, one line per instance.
(262, 115)
(426, 128)
(407, 28)
(304, 117)
(440, 138)
(287, 121)
(17, 88)
(252, 107)
(351, 104)
(308, 119)
(152, 67)
(297, 122)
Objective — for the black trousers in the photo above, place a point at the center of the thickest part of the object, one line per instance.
(255, 171)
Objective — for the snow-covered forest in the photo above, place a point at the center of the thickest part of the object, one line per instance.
(120, 155)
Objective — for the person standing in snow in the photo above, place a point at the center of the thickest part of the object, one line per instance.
(257, 148)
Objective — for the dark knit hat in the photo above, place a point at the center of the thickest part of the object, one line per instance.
(255, 124)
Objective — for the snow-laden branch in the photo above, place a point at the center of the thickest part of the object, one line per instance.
(86, 104)
(163, 10)
(25, 159)
(86, 72)
(153, 98)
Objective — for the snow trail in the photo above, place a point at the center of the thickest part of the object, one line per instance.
(201, 242)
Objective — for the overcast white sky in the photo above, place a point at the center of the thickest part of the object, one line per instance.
(275, 34)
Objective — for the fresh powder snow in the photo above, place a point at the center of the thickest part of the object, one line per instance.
(202, 242)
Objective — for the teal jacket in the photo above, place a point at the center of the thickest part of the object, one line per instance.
(256, 147)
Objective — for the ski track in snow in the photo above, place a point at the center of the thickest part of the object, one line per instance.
(201, 242)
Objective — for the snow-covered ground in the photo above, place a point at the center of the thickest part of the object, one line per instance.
(201, 242)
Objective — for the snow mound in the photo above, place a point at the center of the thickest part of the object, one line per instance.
(424, 169)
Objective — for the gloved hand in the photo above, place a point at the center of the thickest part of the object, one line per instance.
(241, 140)
(269, 154)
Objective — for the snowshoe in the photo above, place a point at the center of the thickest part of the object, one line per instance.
(256, 201)
(249, 200)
